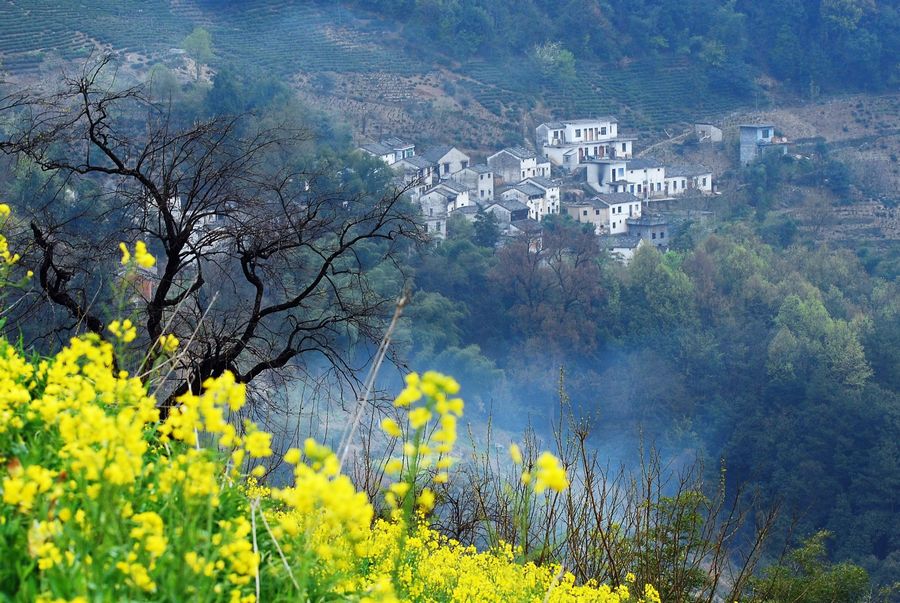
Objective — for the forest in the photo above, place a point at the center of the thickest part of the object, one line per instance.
(827, 46)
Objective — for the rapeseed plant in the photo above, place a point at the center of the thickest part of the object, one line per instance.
(101, 499)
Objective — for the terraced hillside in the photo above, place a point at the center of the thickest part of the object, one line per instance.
(352, 63)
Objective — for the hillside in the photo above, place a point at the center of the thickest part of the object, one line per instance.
(358, 65)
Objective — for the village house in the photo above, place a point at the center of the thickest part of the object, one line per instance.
(376, 149)
(434, 212)
(514, 164)
(401, 148)
(447, 160)
(757, 139)
(707, 132)
(681, 179)
(533, 196)
(589, 211)
(614, 209)
(507, 211)
(621, 246)
(455, 193)
(651, 228)
(645, 178)
(479, 179)
(569, 143)
(416, 174)
(551, 192)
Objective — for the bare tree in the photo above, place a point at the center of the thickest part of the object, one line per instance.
(262, 254)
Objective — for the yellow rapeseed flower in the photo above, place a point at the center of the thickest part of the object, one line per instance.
(390, 427)
(142, 256)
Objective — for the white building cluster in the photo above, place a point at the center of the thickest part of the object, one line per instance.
(515, 183)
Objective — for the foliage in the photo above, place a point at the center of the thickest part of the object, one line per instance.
(807, 577)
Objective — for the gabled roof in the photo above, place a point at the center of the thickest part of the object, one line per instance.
(647, 220)
(529, 189)
(553, 125)
(616, 198)
(468, 210)
(454, 186)
(509, 205)
(376, 149)
(642, 163)
(517, 152)
(397, 143)
(756, 126)
(620, 241)
(542, 182)
(434, 154)
(480, 168)
(416, 161)
(528, 226)
(687, 171)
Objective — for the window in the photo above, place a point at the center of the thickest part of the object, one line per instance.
(426, 226)
(662, 235)
(596, 212)
(623, 147)
(653, 235)
(431, 212)
(482, 193)
(603, 130)
(584, 212)
(704, 182)
(446, 168)
(577, 133)
(631, 188)
(639, 188)
(465, 164)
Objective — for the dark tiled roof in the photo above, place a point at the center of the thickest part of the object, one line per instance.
(520, 152)
(528, 226)
(396, 143)
(687, 171)
(376, 148)
(620, 241)
(529, 189)
(510, 205)
(647, 220)
(617, 198)
(542, 182)
(554, 125)
(454, 186)
(480, 168)
(642, 163)
(434, 154)
(417, 162)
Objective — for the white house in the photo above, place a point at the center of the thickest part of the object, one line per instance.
(622, 246)
(569, 143)
(681, 179)
(479, 179)
(535, 197)
(514, 164)
(454, 194)
(551, 192)
(402, 148)
(447, 160)
(645, 178)
(416, 174)
(376, 149)
(434, 212)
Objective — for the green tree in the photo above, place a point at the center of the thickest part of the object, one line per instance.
(806, 576)
(487, 231)
(198, 45)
